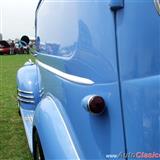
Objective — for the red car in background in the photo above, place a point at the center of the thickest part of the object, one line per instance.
(4, 47)
(19, 47)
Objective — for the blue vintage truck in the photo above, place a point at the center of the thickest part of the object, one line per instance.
(94, 89)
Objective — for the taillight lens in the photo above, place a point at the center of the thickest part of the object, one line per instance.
(96, 105)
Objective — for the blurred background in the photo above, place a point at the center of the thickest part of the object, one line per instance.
(17, 29)
(17, 18)
(16, 43)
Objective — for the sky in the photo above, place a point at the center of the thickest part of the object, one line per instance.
(17, 18)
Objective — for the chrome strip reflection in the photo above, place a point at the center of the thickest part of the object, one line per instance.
(26, 96)
(22, 91)
(64, 75)
(25, 100)
(41, 90)
(41, 94)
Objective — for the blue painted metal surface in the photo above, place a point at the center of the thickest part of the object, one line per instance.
(88, 50)
(116, 4)
(138, 28)
(112, 49)
(28, 86)
(51, 124)
(27, 118)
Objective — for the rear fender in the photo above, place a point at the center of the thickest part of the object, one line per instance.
(54, 132)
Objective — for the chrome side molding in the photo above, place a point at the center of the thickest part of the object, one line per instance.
(27, 92)
(25, 100)
(66, 76)
(25, 96)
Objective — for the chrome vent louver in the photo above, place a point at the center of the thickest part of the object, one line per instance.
(41, 92)
(25, 96)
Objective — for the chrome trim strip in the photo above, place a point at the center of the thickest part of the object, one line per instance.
(64, 75)
(41, 94)
(41, 90)
(27, 92)
(157, 5)
(25, 96)
(25, 100)
(28, 118)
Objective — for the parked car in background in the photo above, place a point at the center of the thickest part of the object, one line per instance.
(94, 91)
(4, 47)
(22, 45)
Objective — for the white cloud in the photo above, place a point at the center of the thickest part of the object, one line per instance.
(17, 18)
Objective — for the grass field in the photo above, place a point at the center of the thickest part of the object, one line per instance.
(13, 143)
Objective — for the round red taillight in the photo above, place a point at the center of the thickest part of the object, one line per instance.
(96, 105)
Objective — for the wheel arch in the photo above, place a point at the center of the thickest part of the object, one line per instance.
(54, 135)
(36, 142)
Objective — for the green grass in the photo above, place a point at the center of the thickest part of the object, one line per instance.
(13, 143)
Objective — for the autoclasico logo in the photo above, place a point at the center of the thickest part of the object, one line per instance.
(133, 155)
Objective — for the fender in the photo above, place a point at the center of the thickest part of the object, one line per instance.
(53, 131)
(28, 86)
